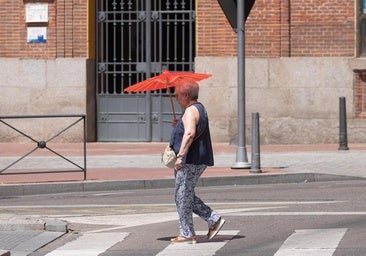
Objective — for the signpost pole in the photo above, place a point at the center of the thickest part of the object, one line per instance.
(241, 153)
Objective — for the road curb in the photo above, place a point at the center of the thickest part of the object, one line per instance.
(10, 190)
(18, 222)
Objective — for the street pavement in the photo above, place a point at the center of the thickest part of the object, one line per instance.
(115, 166)
(121, 166)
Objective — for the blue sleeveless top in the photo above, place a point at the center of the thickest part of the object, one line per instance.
(200, 151)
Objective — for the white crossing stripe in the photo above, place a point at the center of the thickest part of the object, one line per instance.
(242, 213)
(203, 247)
(90, 244)
(314, 242)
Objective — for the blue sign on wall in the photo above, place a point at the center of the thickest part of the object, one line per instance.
(364, 6)
(36, 34)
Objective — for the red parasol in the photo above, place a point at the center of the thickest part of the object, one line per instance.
(165, 80)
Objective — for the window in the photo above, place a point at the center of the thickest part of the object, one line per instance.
(360, 93)
(362, 28)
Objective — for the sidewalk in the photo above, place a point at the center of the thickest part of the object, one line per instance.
(112, 166)
(118, 166)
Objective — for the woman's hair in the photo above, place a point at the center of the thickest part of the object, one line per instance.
(190, 87)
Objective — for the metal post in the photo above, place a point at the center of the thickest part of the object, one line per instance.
(241, 153)
(148, 71)
(84, 145)
(343, 144)
(256, 158)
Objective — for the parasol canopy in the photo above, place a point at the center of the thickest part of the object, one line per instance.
(165, 80)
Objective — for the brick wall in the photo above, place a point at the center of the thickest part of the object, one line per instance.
(281, 28)
(71, 28)
(66, 30)
(274, 28)
(215, 36)
(9, 28)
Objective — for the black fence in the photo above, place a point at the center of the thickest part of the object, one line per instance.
(44, 144)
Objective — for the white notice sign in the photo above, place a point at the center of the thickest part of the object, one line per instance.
(36, 12)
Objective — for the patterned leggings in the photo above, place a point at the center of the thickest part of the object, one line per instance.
(187, 202)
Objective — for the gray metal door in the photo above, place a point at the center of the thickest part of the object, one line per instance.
(137, 40)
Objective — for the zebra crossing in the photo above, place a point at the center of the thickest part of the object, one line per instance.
(315, 242)
(199, 249)
(89, 244)
(93, 244)
(120, 232)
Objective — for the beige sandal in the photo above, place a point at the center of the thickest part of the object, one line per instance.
(180, 239)
(212, 232)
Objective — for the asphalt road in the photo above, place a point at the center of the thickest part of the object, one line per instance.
(321, 218)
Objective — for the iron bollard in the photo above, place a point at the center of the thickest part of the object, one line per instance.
(343, 143)
(256, 159)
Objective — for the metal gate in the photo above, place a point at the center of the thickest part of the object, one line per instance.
(137, 40)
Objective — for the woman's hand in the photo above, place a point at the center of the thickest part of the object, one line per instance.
(178, 164)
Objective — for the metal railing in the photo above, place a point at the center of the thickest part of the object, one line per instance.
(43, 144)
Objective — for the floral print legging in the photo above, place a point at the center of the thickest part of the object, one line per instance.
(187, 202)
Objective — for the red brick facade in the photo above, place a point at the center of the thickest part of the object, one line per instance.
(275, 28)
(281, 28)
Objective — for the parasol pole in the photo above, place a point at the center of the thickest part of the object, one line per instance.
(171, 102)
(241, 153)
